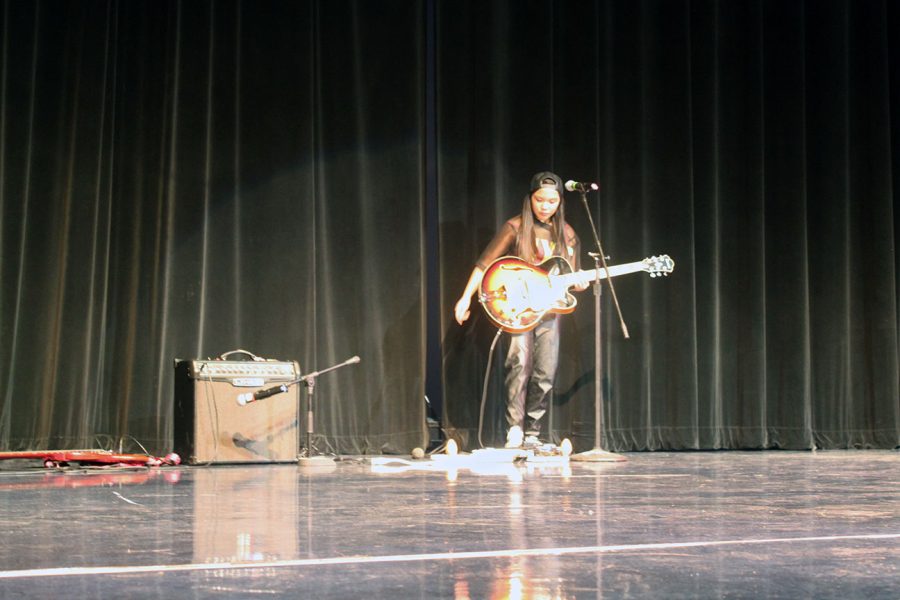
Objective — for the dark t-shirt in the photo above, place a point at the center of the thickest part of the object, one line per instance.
(504, 244)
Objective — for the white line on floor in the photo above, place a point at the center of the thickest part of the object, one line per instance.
(361, 560)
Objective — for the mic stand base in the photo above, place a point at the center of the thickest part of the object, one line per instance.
(597, 455)
(315, 461)
(309, 460)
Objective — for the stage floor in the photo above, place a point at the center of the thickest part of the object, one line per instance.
(661, 525)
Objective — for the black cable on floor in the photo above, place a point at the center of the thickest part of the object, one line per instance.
(484, 387)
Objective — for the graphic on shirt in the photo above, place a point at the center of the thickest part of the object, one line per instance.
(546, 247)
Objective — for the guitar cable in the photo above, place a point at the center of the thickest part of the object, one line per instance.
(212, 410)
(484, 387)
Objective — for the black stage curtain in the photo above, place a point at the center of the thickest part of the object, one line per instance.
(180, 179)
(756, 142)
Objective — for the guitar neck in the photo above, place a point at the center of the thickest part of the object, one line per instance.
(591, 275)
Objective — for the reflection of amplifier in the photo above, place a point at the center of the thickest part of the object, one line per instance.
(210, 425)
(244, 515)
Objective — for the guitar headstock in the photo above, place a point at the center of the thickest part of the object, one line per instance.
(659, 266)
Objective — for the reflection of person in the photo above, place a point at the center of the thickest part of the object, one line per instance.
(535, 235)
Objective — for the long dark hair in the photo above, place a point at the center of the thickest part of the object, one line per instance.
(526, 244)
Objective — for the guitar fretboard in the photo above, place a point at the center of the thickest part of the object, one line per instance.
(576, 277)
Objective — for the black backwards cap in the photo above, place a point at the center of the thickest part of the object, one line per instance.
(537, 181)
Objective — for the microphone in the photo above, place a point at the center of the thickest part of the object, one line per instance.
(245, 399)
(579, 186)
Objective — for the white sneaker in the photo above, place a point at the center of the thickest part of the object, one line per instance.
(514, 437)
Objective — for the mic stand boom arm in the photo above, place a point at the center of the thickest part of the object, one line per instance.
(601, 255)
(312, 376)
(309, 377)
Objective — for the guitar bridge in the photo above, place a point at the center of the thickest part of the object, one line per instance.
(498, 294)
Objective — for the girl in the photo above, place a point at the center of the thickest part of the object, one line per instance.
(535, 235)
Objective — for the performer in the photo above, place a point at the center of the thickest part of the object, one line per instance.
(535, 235)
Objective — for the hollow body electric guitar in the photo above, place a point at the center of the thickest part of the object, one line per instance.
(516, 295)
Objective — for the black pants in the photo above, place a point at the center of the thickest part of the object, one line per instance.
(530, 371)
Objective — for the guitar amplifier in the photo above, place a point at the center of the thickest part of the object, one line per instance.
(212, 427)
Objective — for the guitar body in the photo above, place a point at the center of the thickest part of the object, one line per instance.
(516, 295)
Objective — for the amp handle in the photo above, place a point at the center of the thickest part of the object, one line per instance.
(240, 351)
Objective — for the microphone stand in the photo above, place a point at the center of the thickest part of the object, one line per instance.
(597, 453)
(310, 381)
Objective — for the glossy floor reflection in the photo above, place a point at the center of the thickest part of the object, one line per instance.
(661, 525)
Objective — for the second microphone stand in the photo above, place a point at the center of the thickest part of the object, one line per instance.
(310, 381)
